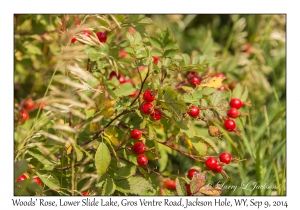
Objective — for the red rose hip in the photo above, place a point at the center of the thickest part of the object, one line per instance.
(138, 148)
(194, 80)
(236, 103)
(229, 125)
(233, 113)
(194, 111)
(147, 108)
(142, 160)
(28, 105)
(170, 184)
(24, 116)
(192, 172)
(148, 96)
(136, 134)
(102, 36)
(211, 163)
(21, 178)
(156, 114)
(218, 169)
(38, 180)
(225, 157)
(85, 194)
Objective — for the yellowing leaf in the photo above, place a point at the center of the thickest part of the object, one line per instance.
(108, 112)
(109, 103)
(213, 82)
(68, 147)
(112, 135)
(93, 127)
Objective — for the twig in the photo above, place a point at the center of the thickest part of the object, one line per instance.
(195, 157)
(108, 124)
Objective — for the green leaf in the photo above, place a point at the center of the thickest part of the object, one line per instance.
(170, 53)
(137, 38)
(151, 132)
(187, 88)
(197, 95)
(124, 90)
(102, 159)
(156, 53)
(40, 157)
(130, 38)
(171, 46)
(32, 49)
(245, 94)
(237, 91)
(199, 146)
(155, 42)
(126, 171)
(180, 187)
(203, 102)
(133, 185)
(206, 141)
(109, 187)
(207, 91)
(145, 21)
(209, 113)
(124, 44)
(20, 167)
(94, 56)
(130, 51)
(215, 98)
(102, 180)
(186, 59)
(49, 180)
(175, 106)
(220, 111)
(79, 153)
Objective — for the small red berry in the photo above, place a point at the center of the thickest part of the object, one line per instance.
(229, 125)
(225, 157)
(138, 148)
(102, 36)
(24, 116)
(131, 30)
(192, 73)
(232, 85)
(142, 160)
(236, 103)
(148, 96)
(194, 111)
(38, 180)
(211, 163)
(155, 59)
(220, 74)
(122, 79)
(86, 32)
(28, 105)
(73, 39)
(133, 95)
(85, 194)
(192, 172)
(218, 169)
(21, 178)
(136, 134)
(140, 68)
(122, 54)
(170, 184)
(112, 74)
(147, 108)
(188, 189)
(233, 113)
(222, 87)
(156, 114)
(194, 80)
(41, 105)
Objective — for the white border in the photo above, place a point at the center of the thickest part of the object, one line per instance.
(8, 8)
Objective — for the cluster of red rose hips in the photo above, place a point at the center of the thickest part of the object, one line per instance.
(213, 164)
(148, 108)
(25, 177)
(233, 112)
(27, 106)
(139, 147)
